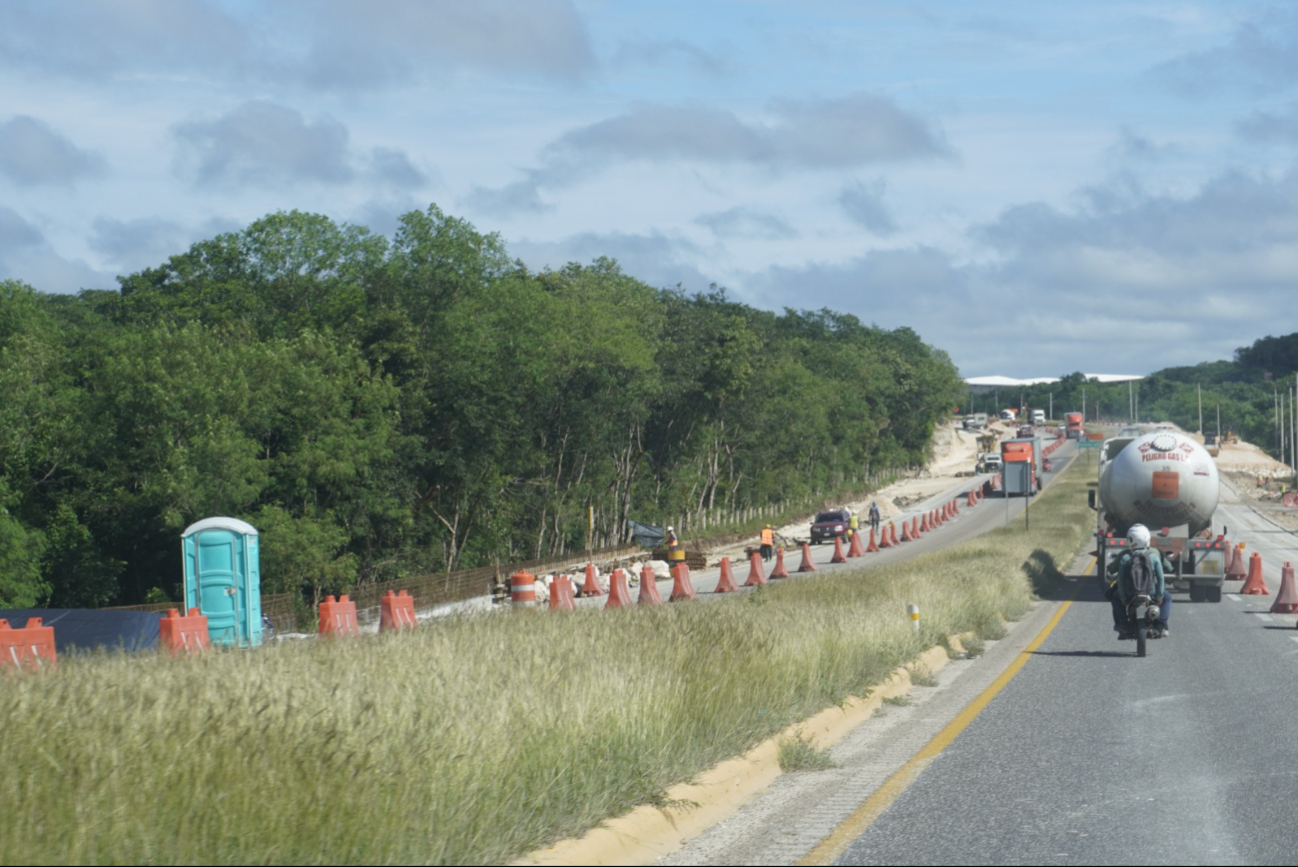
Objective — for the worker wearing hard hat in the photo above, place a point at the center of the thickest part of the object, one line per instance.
(675, 553)
(768, 542)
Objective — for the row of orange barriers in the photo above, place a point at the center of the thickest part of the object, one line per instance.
(31, 647)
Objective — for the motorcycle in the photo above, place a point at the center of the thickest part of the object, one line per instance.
(1143, 620)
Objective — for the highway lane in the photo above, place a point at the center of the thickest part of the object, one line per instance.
(1198, 740)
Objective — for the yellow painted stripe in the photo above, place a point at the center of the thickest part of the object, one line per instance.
(872, 807)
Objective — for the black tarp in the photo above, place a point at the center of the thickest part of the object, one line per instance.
(647, 534)
(86, 629)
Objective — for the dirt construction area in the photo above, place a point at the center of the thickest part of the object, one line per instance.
(1259, 479)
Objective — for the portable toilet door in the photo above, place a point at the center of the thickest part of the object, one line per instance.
(222, 579)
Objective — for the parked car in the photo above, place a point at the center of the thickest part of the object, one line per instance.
(828, 526)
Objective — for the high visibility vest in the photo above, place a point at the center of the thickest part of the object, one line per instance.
(768, 537)
(855, 523)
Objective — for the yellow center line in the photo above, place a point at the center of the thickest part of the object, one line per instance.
(872, 807)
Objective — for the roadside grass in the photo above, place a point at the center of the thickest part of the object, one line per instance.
(475, 739)
(799, 754)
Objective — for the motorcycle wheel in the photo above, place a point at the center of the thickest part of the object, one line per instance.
(1141, 638)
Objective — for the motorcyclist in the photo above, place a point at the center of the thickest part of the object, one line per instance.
(1121, 592)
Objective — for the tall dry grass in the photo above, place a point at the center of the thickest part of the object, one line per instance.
(474, 739)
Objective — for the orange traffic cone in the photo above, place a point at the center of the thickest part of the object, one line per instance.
(838, 551)
(756, 574)
(955, 506)
(619, 591)
(905, 531)
(885, 536)
(1235, 571)
(648, 588)
(873, 547)
(682, 587)
(856, 549)
(892, 531)
(727, 582)
(926, 526)
(1286, 601)
(779, 571)
(1254, 585)
(807, 565)
(561, 594)
(591, 587)
(914, 529)
(970, 501)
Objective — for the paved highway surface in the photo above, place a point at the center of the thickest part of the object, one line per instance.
(1088, 755)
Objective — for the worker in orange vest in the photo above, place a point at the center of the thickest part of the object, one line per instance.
(768, 543)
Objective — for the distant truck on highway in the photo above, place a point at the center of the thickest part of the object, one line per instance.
(1009, 415)
(1038, 417)
(1168, 482)
(1021, 466)
(1073, 425)
(975, 421)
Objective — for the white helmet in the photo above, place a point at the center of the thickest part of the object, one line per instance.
(1138, 536)
(670, 530)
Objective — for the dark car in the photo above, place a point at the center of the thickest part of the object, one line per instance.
(829, 526)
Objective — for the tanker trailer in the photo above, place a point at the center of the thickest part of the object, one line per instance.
(1168, 482)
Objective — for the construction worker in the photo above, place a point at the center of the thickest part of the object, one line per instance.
(675, 551)
(853, 525)
(875, 517)
(768, 543)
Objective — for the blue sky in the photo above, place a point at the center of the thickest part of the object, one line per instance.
(1021, 183)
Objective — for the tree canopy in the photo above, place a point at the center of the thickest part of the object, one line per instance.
(381, 408)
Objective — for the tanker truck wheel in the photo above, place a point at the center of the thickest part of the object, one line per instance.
(1214, 593)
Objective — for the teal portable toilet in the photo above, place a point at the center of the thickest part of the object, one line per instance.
(223, 579)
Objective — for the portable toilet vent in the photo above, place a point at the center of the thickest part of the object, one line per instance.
(223, 579)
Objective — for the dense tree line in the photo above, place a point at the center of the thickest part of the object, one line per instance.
(384, 407)
(1243, 392)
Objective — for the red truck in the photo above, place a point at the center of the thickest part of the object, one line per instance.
(1073, 425)
(1019, 467)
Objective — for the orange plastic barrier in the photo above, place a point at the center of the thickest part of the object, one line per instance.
(1254, 584)
(563, 596)
(186, 634)
(726, 583)
(619, 590)
(856, 549)
(1286, 601)
(648, 588)
(873, 547)
(838, 551)
(807, 564)
(31, 647)
(396, 611)
(1235, 571)
(338, 617)
(682, 586)
(779, 571)
(591, 587)
(905, 532)
(925, 526)
(756, 574)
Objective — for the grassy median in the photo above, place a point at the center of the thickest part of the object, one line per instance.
(471, 740)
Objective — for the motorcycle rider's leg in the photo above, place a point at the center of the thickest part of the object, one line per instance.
(1165, 611)
(1120, 617)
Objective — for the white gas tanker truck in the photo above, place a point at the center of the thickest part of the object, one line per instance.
(1168, 482)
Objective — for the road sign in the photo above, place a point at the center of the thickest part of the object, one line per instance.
(1089, 444)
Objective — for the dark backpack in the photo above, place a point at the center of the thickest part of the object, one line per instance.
(1141, 571)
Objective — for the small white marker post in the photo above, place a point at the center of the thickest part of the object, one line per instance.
(913, 611)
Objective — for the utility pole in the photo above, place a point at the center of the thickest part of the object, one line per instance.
(1199, 388)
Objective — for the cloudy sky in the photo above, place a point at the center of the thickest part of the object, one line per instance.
(1035, 188)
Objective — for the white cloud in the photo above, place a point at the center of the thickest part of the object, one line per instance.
(33, 154)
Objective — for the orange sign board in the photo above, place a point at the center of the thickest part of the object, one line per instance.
(1166, 486)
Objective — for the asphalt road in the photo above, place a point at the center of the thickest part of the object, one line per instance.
(1093, 756)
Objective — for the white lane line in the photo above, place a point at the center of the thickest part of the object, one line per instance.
(1232, 597)
(1293, 637)
(1262, 615)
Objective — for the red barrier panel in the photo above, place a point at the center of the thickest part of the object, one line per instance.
(338, 617)
(31, 647)
(184, 634)
(396, 611)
